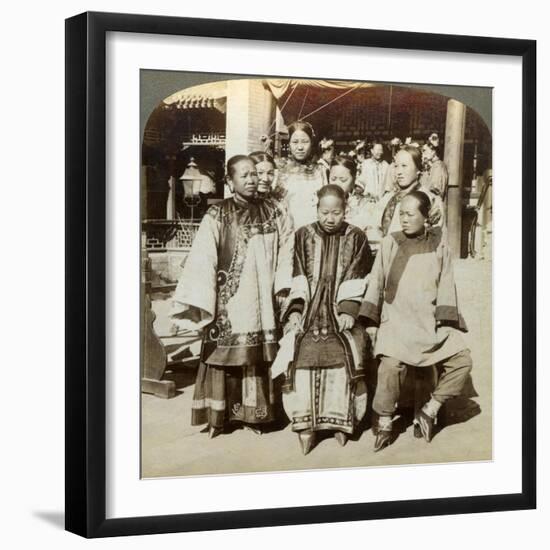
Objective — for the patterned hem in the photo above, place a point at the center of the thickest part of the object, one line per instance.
(250, 414)
(246, 414)
(322, 423)
(299, 426)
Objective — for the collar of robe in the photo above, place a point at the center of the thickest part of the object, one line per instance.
(431, 233)
(244, 202)
(340, 231)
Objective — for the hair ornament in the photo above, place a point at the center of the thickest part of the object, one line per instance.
(326, 144)
(410, 142)
(360, 145)
(396, 142)
(433, 140)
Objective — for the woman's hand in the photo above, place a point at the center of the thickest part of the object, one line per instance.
(372, 333)
(345, 322)
(294, 323)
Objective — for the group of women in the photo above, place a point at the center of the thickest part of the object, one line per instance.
(282, 278)
(375, 176)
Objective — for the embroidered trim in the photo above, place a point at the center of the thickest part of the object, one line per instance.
(207, 403)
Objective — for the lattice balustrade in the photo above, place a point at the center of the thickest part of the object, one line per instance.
(185, 234)
(169, 234)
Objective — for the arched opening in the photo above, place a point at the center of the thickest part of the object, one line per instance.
(192, 132)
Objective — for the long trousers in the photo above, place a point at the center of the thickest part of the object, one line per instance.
(392, 372)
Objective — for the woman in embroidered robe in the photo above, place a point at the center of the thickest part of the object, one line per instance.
(301, 177)
(408, 168)
(411, 311)
(240, 261)
(325, 387)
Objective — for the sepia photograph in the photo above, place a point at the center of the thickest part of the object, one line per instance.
(316, 274)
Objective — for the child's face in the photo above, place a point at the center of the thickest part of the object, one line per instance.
(266, 174)
(300, 145)
(412, 220)
(330, 213)
(244, 179)
(341, 176)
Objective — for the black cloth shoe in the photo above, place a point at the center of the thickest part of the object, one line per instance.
(383, 439)
(374, 424)
(307, 440)
(426, 424)
(214, 432)
(341, 437)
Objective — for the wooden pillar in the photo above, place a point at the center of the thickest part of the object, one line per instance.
(454, 154)
(236, 131)
(144, 188)
(171, 200)
(250, 113)
(170, 160)
(281, 130)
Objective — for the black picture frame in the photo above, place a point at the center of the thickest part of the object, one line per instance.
(86, 278)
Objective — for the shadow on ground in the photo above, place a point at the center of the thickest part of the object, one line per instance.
(182, 374)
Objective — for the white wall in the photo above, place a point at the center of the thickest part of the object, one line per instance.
(31, 406)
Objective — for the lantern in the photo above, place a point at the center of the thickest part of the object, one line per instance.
(192, 182)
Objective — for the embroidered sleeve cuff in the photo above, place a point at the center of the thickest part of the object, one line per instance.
(295, 306)
(350, 307)
(283, 293)
(368, 314)
(446, 314)
(449, 315)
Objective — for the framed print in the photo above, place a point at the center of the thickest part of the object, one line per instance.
(289, 296)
